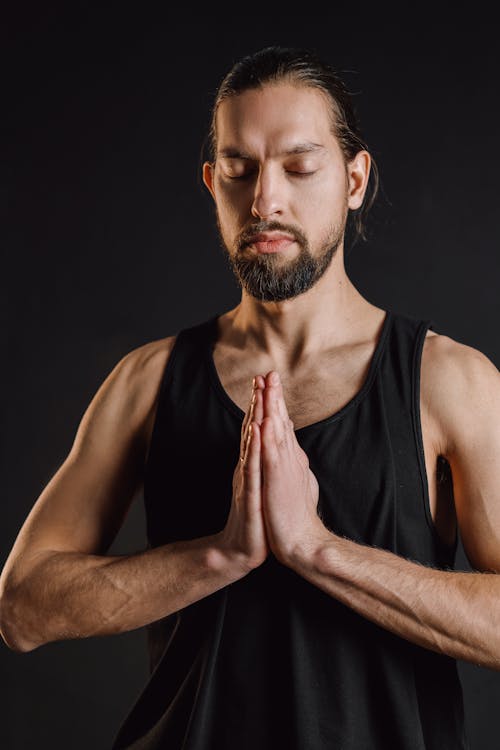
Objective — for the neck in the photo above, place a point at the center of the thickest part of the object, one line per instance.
(331, 313)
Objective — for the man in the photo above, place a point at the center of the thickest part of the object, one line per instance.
(307, 459)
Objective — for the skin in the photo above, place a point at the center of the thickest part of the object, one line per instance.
(307, 357)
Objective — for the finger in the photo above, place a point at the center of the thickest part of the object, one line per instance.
(280, 398)
(269, 450)
(252, 389)
(251, 463)
(271, 413)
(245, 444)
(246, 423)
(288, 426)
(260, 385)
(260, 381)
(272, 407)
(244, 427)
(258, 409)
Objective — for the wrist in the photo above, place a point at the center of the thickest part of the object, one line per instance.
(307, 555)
(225, 561)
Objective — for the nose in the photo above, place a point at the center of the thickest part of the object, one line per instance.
(268, 195)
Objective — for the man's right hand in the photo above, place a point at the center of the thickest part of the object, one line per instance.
(244, 537)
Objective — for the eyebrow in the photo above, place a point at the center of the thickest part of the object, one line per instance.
(299, 148)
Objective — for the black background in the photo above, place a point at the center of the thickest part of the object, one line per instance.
(108, 241)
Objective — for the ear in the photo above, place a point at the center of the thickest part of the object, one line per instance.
(208, 176)
(358, 172)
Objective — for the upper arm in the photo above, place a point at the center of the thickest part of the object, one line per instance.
(462, 387)
(84, 504)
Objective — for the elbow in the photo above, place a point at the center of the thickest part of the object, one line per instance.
(487, 657)
(11, 629)
(494, 656)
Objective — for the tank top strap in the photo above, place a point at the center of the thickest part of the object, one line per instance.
(187, 357)
(401, 367)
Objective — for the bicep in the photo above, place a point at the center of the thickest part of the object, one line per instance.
(85, 502)
(471, 416)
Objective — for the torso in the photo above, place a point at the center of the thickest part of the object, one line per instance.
(321, 388)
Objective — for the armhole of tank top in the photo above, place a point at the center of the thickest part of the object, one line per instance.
(417, 427)
(165, 379)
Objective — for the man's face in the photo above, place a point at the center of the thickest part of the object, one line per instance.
(280, 187)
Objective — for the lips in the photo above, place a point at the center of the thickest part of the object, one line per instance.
(267, 242)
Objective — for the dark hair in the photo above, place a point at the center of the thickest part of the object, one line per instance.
(295, 65)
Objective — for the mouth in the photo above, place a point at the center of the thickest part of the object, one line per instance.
(271, 242)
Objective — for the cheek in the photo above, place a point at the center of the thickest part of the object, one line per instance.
(334, 188)
(228, 213)
(232, 205)
(321, 198)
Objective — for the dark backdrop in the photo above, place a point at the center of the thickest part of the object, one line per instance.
(108, 242)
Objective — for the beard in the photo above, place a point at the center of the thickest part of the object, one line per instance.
(269, 278)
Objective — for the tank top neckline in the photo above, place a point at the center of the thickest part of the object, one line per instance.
(233, 407)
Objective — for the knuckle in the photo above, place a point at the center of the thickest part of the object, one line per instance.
(272, 461)
(304, 461)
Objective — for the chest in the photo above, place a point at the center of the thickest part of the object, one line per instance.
(312, 392)
(316, 393)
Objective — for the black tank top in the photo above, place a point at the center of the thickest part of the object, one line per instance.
(271, 660)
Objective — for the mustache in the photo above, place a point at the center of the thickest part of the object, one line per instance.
(245, 236)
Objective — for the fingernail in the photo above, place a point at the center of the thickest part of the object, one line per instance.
(275, 378)
(254, 383)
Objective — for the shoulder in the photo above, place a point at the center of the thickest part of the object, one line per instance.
(125, 401)
(460, 389)
(138, 374)
(145, 361)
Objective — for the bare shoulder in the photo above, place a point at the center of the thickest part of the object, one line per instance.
(453, 364)
(127, 397)
(142, 368)
(139, 374)
(460, 389)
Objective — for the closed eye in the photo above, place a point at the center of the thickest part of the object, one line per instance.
(240, 176)
(292, 172)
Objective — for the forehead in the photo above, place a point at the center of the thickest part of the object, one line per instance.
(274, 116)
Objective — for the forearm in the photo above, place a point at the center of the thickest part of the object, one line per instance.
(450, 612)
(75, 595)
